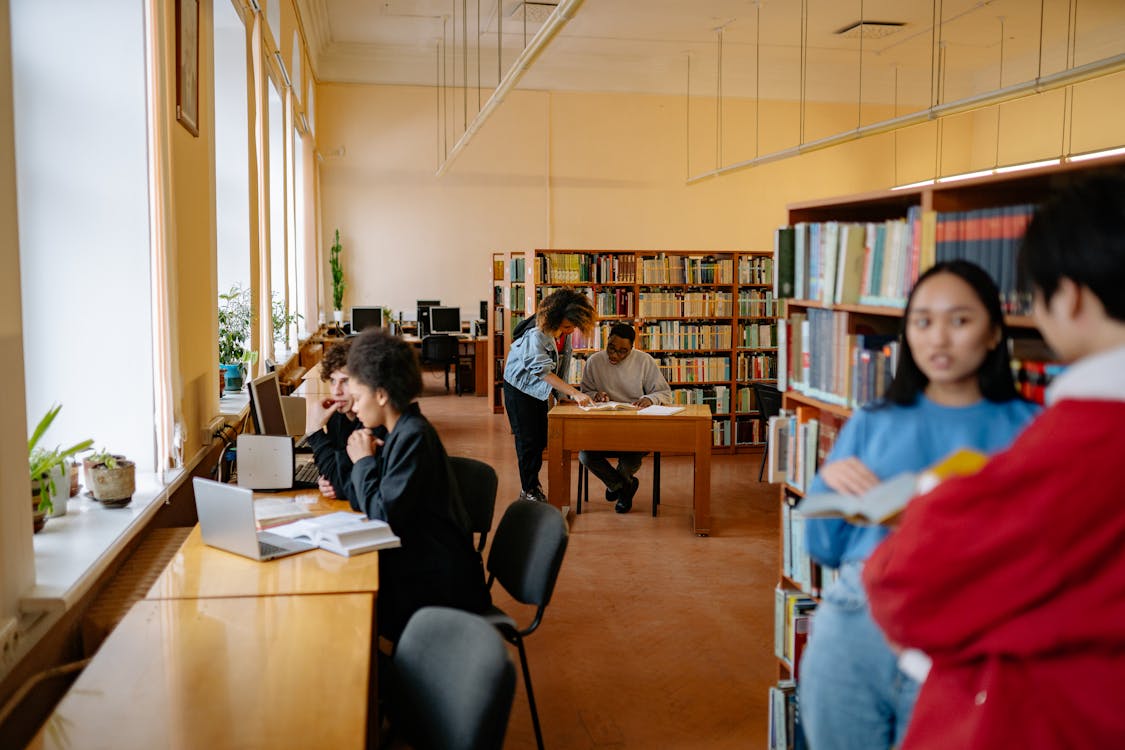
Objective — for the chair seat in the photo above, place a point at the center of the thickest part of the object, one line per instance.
(499, 618)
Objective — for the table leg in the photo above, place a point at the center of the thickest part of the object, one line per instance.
(558, 466)
(701, 506)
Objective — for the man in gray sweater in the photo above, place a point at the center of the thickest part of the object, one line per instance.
(621, 373)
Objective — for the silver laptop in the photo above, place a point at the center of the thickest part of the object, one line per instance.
(226, 521)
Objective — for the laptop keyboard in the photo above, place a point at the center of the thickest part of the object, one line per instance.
(265, 548)
(307, 472)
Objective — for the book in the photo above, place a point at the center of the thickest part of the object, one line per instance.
(274, 511)
(343, 533)
(886, 501)
(608, 406)
(660, 410)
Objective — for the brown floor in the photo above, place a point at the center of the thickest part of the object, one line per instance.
(654, 638)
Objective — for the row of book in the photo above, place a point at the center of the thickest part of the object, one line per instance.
(756, 303)
(757, 335)
(592, 268)
(799, 442)
(685, 304)
(745, 400)
(516, 299)
(748, 432)
(614, 302)
(517, 269)
(755, 269)
(715, 396)
(785, 731)
(792, 621)
(989, 237)
(1034, 376)
(824, 360)
(687, 269)
(720, 432)
(676, 334)
(706, 369)
(756, 366)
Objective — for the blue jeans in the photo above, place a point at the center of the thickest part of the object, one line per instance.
(852, 694)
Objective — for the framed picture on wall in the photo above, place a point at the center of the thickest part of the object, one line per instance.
(187, 64)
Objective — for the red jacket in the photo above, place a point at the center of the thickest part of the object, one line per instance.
(1013, 581)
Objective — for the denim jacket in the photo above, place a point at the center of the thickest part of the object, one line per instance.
(532, 356)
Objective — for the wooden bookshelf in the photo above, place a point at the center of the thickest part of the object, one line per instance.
(673, 297)
(508, 306)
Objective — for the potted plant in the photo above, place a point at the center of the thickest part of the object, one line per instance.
(337, 280)
(282, 319)
(235, 316)
(48, 471)
(112, 479)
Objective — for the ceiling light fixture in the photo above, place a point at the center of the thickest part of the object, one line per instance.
(1097, 154)
(869, 29)
(533, 12)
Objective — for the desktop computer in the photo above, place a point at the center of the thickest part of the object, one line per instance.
(424, 306)
(445, 320)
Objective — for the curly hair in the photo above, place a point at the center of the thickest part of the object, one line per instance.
(562, 306)
(379, 360)
(335, 357)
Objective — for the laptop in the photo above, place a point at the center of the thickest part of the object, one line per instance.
(226, 521)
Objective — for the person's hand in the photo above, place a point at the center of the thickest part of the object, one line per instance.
(849, 476)
(326, 488)
(361, 444)
(317, 412)
(601, 397)
(582, 399)
(642, 402)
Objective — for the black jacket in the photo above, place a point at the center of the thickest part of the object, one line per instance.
(330, 451)
(410, 485)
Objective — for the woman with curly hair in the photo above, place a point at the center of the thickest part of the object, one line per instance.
(540, 351)
(411, 486)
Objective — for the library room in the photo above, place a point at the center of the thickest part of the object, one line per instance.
(507, 374)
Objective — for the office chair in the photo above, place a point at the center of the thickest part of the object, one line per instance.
(527, 552)
(441, 349)
(477, 482)
(584, 484)
(768, 401)
(454, 682)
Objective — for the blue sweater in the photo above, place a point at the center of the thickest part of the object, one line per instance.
(894, 439)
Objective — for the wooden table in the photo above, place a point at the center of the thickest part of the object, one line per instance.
(477, 347)
(570, 429)
(273, 672)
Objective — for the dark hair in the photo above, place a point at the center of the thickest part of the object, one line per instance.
(995, 372)
(564, 305)
(379, 360)
(623, 331)
(335, 358)
(1079, 234)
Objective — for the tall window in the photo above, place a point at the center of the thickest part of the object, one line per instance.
(232, 149)
(276, 201)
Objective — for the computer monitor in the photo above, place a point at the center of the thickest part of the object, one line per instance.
(366, 317)
(424, 306)
(445, 320)
(265, 405)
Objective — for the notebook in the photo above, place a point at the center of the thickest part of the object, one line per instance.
(226, 521)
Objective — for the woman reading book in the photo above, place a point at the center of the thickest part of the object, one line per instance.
(953, 388)
(410, 486)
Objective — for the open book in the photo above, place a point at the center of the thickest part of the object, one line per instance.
(885, 501)
(608, 406)
(344, 533)
(273, 511)
(660, 409)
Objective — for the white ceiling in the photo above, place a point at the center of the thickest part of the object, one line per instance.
(649, 46)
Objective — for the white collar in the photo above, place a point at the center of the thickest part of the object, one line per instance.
(1095, 378)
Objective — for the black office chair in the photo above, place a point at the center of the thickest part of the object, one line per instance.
(527, 552)
(477, 482)
(454, 682)
(441, 349)
(584, 485)
(768, 401)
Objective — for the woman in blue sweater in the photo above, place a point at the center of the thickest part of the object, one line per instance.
(953, 388)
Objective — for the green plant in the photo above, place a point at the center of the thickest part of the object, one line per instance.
(282, 319)
(235, 318)
(100, 457)
(337, 274)
(41, 461)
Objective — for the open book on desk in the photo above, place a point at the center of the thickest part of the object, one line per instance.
(660, 409)
(344, 533)
(274, 511)
(608, 406)
(885, 501)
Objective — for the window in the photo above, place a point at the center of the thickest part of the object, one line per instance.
(232, 149)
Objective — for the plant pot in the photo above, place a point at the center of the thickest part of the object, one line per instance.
(72, 470)
(233, 377)
(87, 465)
(222, 380)
(114, 487)
(58, 499)
(38, 517)
(338, 316)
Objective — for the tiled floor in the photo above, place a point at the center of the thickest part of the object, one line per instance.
(655, 638)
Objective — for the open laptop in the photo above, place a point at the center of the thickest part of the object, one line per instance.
(226, 521)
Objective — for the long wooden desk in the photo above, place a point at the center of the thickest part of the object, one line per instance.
(570, 429)
(274, 672)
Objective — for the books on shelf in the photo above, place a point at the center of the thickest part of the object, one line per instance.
(785, 732)
(885, 501)
(793, 612)
(343, 533)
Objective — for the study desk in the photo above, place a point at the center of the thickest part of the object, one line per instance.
(275, 672)
(570, 429)
(477, 348)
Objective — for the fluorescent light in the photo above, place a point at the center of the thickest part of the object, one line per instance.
(281, 67)
(922, 183)
(965, 176)
(1029, 165)
(1097, 154)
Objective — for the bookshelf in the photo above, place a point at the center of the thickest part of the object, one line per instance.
(709, 319)
(508, 306)
(838, 347)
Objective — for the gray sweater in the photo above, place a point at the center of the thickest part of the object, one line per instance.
(629, 380)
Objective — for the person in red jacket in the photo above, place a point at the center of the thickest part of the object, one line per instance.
(1013, 580)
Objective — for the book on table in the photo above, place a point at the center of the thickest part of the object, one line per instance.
(274, 511)
(342, 532)
(885, 501)
(608, 406)
(660, 409)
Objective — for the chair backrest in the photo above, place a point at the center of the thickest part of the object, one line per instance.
(454, 681)
(439, 347)
(769, 400)
(477, 483)
(527, 552)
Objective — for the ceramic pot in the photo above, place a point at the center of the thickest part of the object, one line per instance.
(233, 377)
(72, 470)
(60, 495)
(114, 487)
(338, 316)
(38, 517)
